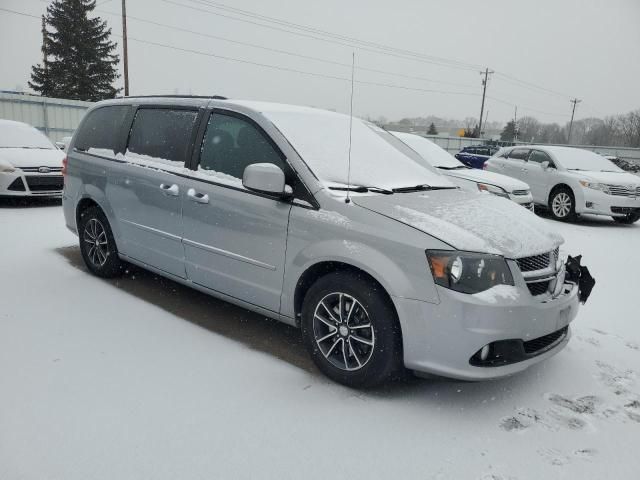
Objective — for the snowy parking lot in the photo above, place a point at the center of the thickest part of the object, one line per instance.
(141, 378)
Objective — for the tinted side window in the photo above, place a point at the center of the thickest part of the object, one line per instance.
(519, 153)
(161, 135)
(231, 144)
(469, 150)
(100, 132)
(538, 157)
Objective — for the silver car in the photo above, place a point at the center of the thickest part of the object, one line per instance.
(382, 263)
(571, 181)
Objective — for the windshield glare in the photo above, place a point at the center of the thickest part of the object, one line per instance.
(429, 152)
(577, 159)
(17, 135)
(377, 158)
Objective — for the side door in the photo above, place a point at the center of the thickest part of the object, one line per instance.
(515, 164)
(146, 188)
(235, 239)
(539, 179)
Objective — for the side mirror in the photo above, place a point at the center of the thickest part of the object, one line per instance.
(545, 165)
(265, 178)
(61, 145)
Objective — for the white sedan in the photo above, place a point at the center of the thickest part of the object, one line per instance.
(30, 165)
(570, 181)
(465, 177)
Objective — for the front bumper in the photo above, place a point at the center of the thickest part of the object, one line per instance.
(443, 338)
(31, 184)
(599, 203)
(523, 200)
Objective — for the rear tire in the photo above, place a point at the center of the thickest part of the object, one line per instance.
(562, 204)
(97, 245)
(627, 219)
(351, 330)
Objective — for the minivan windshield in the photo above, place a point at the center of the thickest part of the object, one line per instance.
(378, 159)
(430, 152)
(578, 159)
(21, 135)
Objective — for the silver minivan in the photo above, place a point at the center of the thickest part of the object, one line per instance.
(382, 263)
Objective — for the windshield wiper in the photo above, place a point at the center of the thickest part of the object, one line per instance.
(420, 188)
(362, 189)
(457, 167)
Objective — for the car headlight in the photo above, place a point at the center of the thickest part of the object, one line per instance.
(468, 272)
(595, 186)
(6, 167)
(495, 190)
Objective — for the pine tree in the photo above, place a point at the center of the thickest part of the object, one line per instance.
(432, 129)
(78, 62)
(509, 132)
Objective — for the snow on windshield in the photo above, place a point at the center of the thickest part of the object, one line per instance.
(377, 158)
(576, 158)
(20, 135)
(432, 153)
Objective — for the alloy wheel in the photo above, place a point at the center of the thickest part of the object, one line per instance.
(96, 241)
(343, 331)
(561, 205)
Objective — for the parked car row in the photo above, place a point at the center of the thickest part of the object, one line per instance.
(383, 262)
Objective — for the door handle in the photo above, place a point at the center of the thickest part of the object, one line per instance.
(197, 196)
(172, 190)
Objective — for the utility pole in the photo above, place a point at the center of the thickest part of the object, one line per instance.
(486, 74)
(515, 125)
(125, 56)
(44, 44)
(575, 101)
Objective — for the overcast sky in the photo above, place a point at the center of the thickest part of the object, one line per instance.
(581, 48)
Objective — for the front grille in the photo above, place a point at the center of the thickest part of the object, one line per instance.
(625, 210)
(538, 288)
(37, 169)
(541, 343)
(536, 262)
(622, 191)
(44, 184)
(17, 185)
(520, 192)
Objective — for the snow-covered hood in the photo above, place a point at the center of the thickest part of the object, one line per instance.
(611, 178)
(469, 221)
(32, 157)
(475, 175)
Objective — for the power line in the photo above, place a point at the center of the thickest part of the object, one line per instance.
(315, 37)
(307, 28)
(285, 52)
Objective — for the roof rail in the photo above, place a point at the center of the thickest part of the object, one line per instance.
(213, 97)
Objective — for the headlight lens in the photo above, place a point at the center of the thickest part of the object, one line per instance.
(485, 187)
(6, 167)
(468, 272)
(595, 186)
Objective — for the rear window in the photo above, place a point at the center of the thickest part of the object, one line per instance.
(100, 131)
(161, 135)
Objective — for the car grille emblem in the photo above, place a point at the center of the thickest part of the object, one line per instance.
(44, 170)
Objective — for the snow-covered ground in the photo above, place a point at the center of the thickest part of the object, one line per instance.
(141, 378)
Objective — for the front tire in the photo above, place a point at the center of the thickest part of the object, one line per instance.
(627, 219)
(97, 245)
(351, 330)
(562, 205)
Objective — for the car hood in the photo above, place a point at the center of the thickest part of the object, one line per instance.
(612, 178)
(508, 183)
(32, 157)
(468, 221)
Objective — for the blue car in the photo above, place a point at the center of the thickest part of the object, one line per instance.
(474, 156)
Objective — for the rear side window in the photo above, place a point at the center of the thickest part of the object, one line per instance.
(160, 135)
(538, 157)
(100, 133)
(519, 153)
(231, 144)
